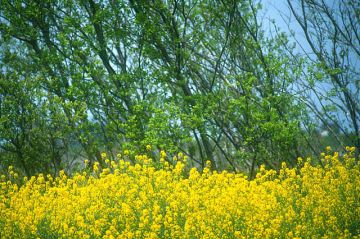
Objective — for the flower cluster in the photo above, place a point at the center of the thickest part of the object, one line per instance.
(146, 201)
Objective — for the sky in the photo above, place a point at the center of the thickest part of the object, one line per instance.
(279, 11)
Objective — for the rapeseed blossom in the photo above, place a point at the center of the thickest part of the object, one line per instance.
(146, 200)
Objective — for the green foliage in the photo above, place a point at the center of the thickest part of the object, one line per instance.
(81, 77)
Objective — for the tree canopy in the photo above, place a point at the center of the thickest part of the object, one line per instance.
(79, 77)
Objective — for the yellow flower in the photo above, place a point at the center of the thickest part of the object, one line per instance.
(143, 201)
(96, 166)
(162, 154)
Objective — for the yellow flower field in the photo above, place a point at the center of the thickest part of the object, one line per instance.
(157, 200)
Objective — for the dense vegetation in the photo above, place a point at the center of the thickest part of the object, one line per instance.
(158, 200)
(236, 101)
(199, 77)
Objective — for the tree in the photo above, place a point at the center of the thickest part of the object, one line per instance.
(196, 76)
(332, 30)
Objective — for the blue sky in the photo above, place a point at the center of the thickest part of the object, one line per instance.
(279, 11)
